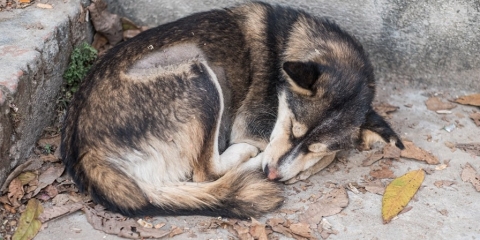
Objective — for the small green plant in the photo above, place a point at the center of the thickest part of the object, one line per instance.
(81, 60)
(48, 148)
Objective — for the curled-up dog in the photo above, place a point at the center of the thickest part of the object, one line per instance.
(183, 118)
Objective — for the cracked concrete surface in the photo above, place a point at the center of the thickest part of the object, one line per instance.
(451, 212)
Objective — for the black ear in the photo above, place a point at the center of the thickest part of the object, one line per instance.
(376, 128)
(304, 74)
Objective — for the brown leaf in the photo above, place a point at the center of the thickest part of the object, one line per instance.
(329, 204)
(383, 109)
(257, 230)
(15, 192)
(60, 199)
(476, 118)
(382, 173)
(277, 226)
(48, 177)
(106, 23)
(376, 187)
(414, 152)
(302, 229)
(100, 43)
(117, 224)
(472, 148)
(435, 104)
(473, 99)
(57, 211)
(470, 175)
(242, 232)
(441, 183)
(372, 158)
(175, 231)
(51, 191)
(49, 158)
(390, 151)
(31, 164)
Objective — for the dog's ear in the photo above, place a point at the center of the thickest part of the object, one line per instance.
(376, 129)
(303, 75)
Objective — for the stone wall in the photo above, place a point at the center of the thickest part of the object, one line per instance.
(415, 42)
(35, 47)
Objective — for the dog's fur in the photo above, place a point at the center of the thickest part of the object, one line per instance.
(156, 112)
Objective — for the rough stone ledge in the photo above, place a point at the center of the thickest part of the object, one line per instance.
(35, 47)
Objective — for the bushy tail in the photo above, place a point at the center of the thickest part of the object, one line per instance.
(239, 193)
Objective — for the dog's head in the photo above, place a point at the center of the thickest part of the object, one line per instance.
(322, 109)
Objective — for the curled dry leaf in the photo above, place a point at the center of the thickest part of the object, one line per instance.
(399, 192)
(414, 152)
(473, 99)
(435, 104)
(29, 225)
(15, 192)
(470, 175)
(329, 204)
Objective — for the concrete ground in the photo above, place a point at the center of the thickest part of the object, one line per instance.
(451, 212)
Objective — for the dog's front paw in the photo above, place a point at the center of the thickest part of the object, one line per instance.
(321, 164)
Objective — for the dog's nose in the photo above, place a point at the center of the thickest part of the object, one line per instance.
(271, 172)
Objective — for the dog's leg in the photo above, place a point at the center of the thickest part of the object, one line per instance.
(323, 163)
(235, 155)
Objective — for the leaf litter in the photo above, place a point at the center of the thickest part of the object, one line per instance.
(469, 174)
(473, 99)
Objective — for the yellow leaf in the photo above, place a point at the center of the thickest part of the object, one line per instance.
(26, 177)
(29, 225)
(399, 192)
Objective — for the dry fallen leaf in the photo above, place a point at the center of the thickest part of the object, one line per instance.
(302, 229)
(48, 177)
(257, 230)
(399, 192)
(476, 118)
(382, 173)
(473, 99)
(329, 204)
(470, 175)
(117, 224)
(435, 104)
(414, 152)
(15, 192)
(376, 187)
(277, 226)
(473, 148)
(29, 225)
(58, 211)
(441, 183)
(383, 109)
(372, 158)
(26, 177)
